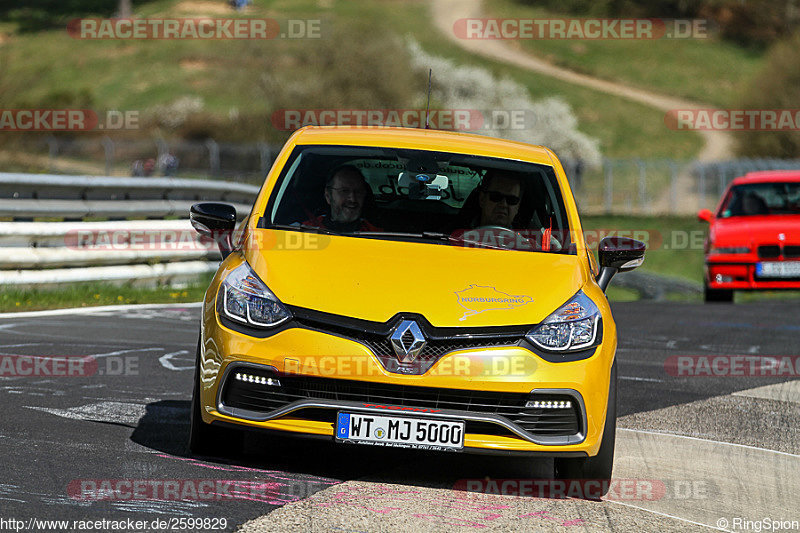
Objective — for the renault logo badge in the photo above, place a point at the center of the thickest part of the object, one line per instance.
(407, 341)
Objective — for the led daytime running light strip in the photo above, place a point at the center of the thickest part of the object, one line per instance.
(250, 378)
(548, 404)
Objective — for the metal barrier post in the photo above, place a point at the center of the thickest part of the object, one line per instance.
(642, 186)
(702, 186)
(108, 150)
(673, 186)
(266, 158)
(609, 185)
(213, 157)
(52, 152)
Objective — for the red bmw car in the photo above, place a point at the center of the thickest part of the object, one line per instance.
(754, 237)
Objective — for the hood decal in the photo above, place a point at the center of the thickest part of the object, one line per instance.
(476, 299)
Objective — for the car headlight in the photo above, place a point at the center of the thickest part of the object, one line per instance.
(246, 299)
(572, 327)
(730, 250)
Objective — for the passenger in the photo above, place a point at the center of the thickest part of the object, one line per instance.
(345, 192)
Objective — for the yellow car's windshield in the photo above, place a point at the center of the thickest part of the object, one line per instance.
(402, 194)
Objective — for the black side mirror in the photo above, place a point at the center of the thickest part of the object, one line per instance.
(618, 254)
(217, 221)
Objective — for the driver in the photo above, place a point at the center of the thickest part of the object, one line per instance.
(499, 199)
(345, 192)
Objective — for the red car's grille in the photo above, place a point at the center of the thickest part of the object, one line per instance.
(773, 251)
(769, 251)
(791, 251)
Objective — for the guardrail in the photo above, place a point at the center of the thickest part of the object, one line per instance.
(71, 247)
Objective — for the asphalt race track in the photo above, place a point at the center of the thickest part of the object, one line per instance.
(693, 452)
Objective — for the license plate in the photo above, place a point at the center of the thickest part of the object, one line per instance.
(778, 269)
(400, 432)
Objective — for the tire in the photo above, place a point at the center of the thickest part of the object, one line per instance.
(600, 466)
(718, 295)
(206, 439)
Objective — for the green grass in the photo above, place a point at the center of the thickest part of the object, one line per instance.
(706, 70)
(674, 244)
(228, 75)
(96, 294)
(620, 294)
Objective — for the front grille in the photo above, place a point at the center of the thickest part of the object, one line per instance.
(769, 250)
(433, 350)
(791, 251)
(541, 422)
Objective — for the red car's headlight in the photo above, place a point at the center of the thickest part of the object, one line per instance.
(729, 250)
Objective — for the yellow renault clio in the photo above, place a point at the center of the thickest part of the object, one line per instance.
(412, 288)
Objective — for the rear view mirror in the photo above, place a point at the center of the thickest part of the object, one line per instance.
(618, 254)
(423, 186)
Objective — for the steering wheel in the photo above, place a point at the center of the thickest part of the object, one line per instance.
(519, 241)
(515, 240)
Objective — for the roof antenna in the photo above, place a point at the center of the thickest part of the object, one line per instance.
(428, 107)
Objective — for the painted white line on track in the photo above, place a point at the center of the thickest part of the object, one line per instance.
(634, 378)
(667, 434)
(665, 514)
(96, 309)
(169, 365)
(708, 480)
(787, 391)
(121, 352)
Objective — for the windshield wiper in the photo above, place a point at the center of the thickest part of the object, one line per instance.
(428, 235)
(296, 227)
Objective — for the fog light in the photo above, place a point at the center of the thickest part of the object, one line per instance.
(719, 278)
(549, 404)
(261, 380)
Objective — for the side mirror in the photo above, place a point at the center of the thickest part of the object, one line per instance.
(217, 221)
(704, 215)
(618, 254)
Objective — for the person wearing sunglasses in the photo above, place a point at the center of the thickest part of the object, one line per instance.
(499, 199)
(345, 192)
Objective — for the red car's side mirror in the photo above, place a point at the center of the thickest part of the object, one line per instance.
(704, 215)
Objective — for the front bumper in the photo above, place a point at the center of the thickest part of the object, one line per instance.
(741, 275)
(316, 357)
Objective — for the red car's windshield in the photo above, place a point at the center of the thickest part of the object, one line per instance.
(758, 199)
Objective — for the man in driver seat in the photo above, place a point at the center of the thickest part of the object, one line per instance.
(499, 199)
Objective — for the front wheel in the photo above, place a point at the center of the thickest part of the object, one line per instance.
(205, 439)
(599, 467)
